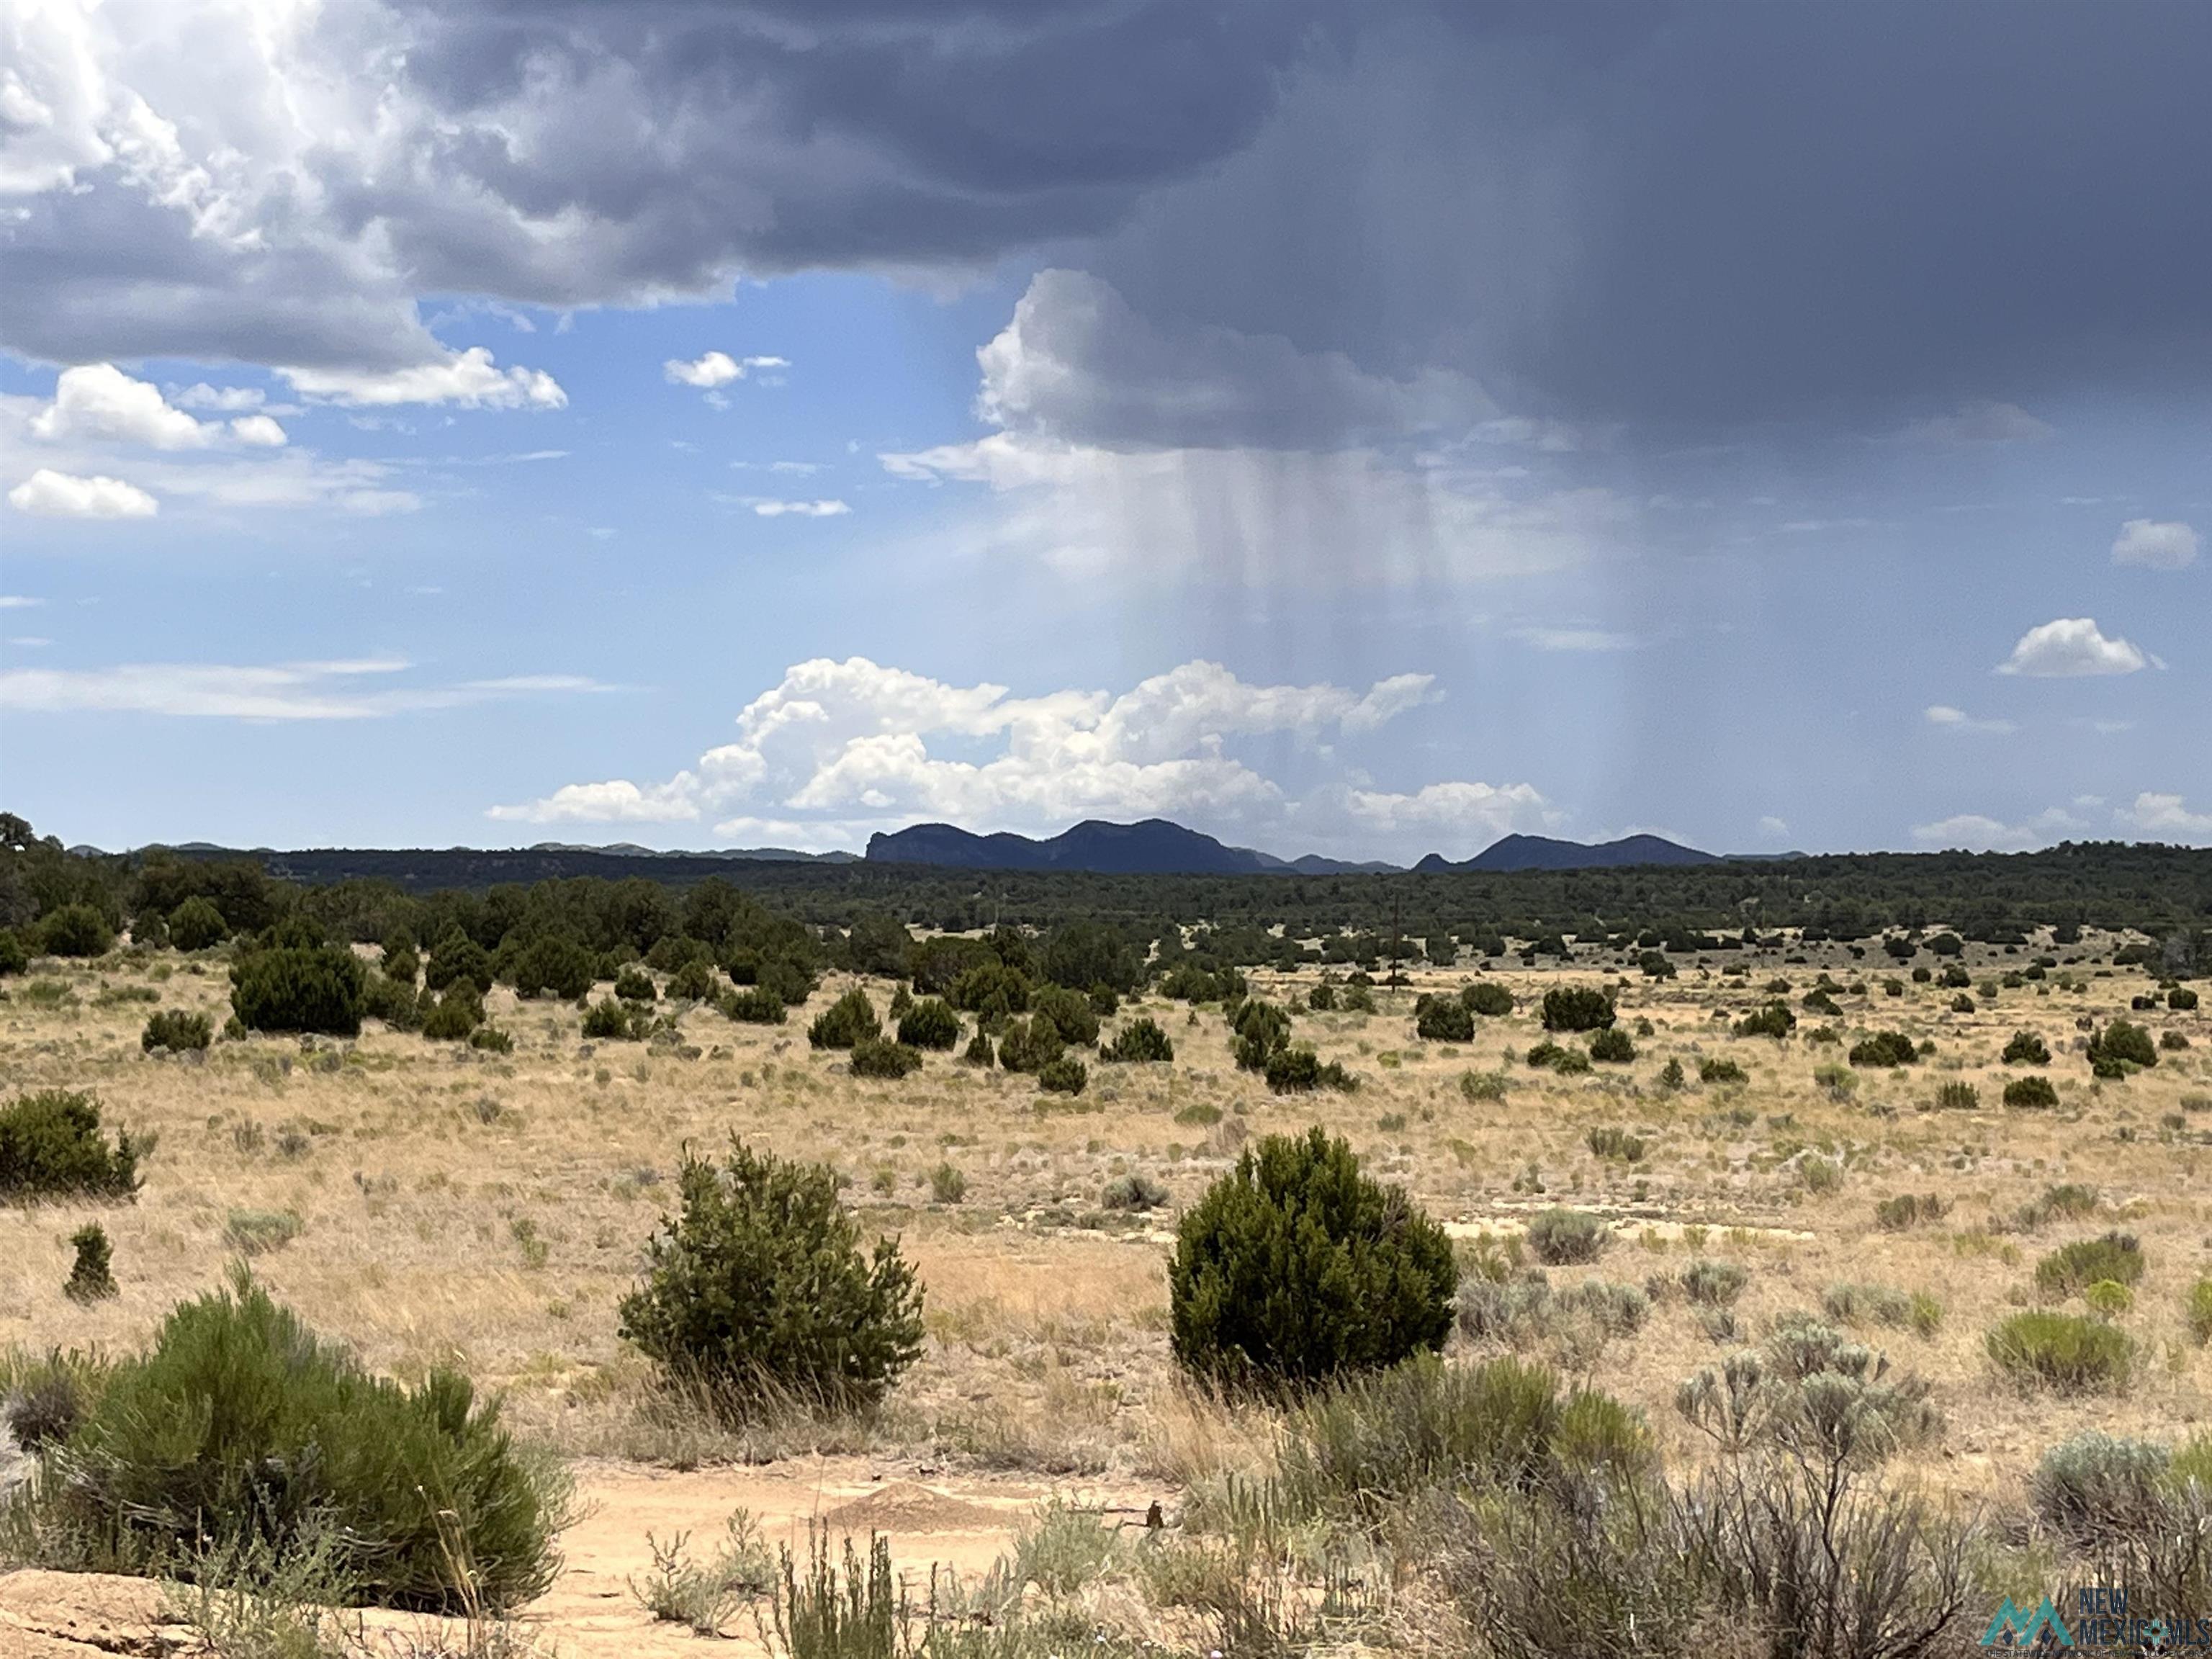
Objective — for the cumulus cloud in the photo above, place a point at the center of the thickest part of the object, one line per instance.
(50, 494)
(716, 369)
(2156, 545)
(1977, 832)
(99, 403)
(470, 379)
(1948, 719)
(2069, 647)
(95, 401)
(340, 690)
(835, 744)
(2166, 818)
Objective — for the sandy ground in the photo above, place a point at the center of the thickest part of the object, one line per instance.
(931, 1521)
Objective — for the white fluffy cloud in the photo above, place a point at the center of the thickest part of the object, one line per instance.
(2166, 818)
(716, 369)
(470, 379)
(2069, 648)
(98, 403)
(2156, 545)
(1977, 832)
(839, 748)
(51, 494)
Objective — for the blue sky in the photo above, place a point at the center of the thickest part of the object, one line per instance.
(1114, 413)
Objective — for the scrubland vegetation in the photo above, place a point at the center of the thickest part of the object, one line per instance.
(1529, 1302)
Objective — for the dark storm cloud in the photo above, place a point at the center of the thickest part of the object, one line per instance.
(1712, 214)
(1728, 213)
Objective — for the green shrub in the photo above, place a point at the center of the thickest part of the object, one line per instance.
(1884, 1048)
(1134, 1191)
(692, 980)
(612, 1021)
(1896, 1214)
(1956, 1096)
(2066, 1200)
(2062, 1351)
(455, 1016)
(491, 1040)
(1714, 1284)
(979, 1052)
(931, 1023)
(2072, 1268)
(551, 963)
(197, 925)
(456, 957)
(754, 1005)
(2120, 1046)
(1720, 1071)
(1029, 1044)
(399, 1006)
(1488, 998)
(1576, 1008)
(1441, 1019)
(2026, 1048)
(1560, 1238)
(948, 1184)
(633, 984)
(92, 1276)
(2197, 1312)
(15, 955)
(1775, 1020)
(1300, 1071)
(51, 1146)
(2031, 1094)
(845, 1022)
(176, 1031)
(1296, 1267)
(1321, 1000)
(1867, 1304)
(1064, 1076)
(1482, 1086)
(238, 1426)
(317, 988)
(759, 1287)
(1614, 1046)
(1615, 1142)
(1070, 1013)
(75, 930)
(1140, 1041)
(2094, 1488)
(1374, 1441)
(2181, 999)
(873, 1057)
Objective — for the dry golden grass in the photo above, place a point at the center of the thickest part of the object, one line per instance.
(490, 1211)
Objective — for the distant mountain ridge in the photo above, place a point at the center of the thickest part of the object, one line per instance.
(1159, 847)
(1545, 853)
